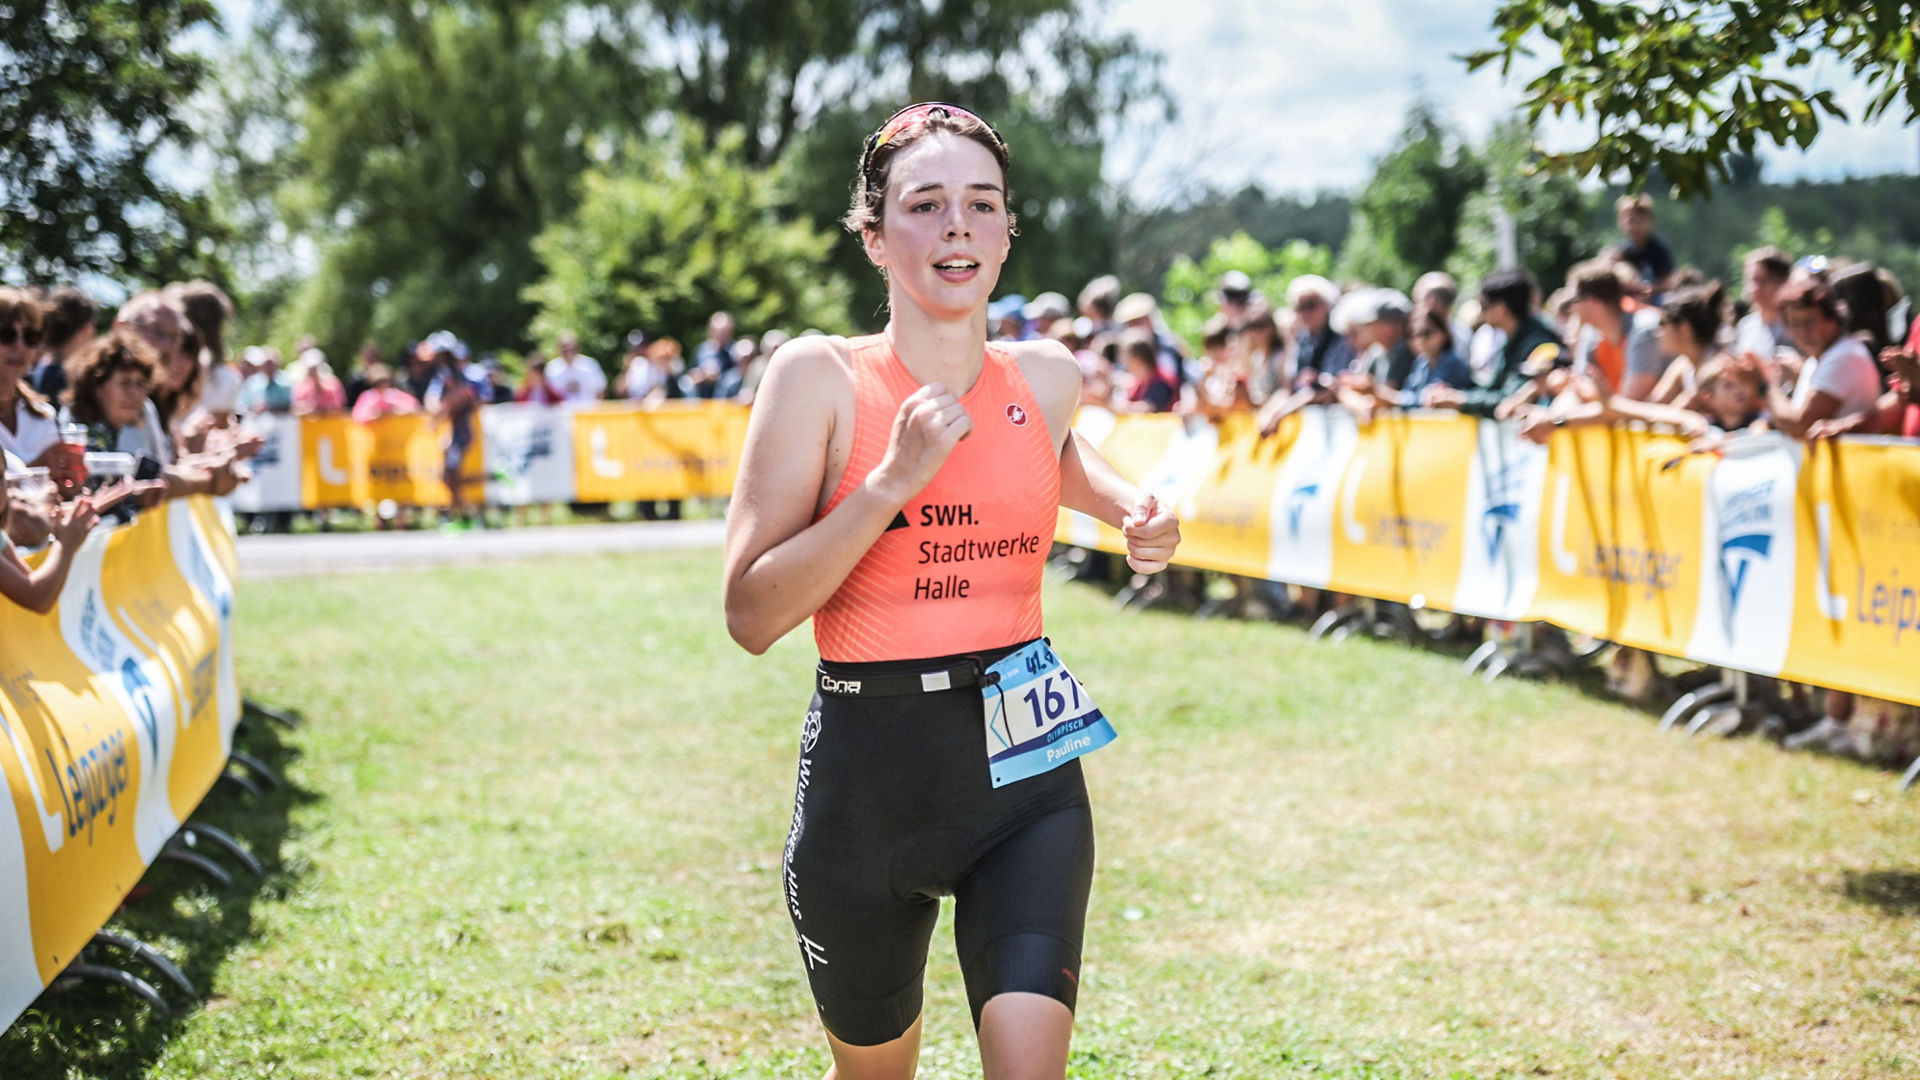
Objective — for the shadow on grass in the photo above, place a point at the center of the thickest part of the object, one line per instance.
(92, 1030)
(1896, 892)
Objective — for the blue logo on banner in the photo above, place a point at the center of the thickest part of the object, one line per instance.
(137, 685)
(1737, 555)
(1296, 504)
(1493, 527)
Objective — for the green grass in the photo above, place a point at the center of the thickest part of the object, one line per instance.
(539, 812)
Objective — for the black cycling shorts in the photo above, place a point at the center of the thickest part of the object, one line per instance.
(894, 809)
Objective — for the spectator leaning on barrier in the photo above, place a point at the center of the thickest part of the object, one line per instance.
(28, 425)
(70, 315)
(1690, 321)
(1507, 304)
(1838, 379)
(38, 588)
(315, 388)
(1147, 387)
(1761, 331)
(1268, 360)
(1438, 291)
(268, 389)
(1619, 339)
(713, 357)
(381, 397)
(208, 309)
(1377, 326)
(1864, 300)
(1319, 349)
(1435, 362)
(1138, 312)
(1096, 302)
(573, 374)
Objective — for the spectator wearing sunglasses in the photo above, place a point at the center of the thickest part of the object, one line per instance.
(1320, 349)
(1839, 379)
(29, 428)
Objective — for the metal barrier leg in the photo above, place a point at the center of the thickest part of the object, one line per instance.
(192, 834)
(242, 781)
(1737, 684)
(284, 719)
(1481, 655)
(257, 767)
(1913, 773)
(1706, 695)
(104, 974)
(151, 955)
(177, 852)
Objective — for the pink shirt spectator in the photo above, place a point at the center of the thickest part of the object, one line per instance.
(383, 401)
(324, 395)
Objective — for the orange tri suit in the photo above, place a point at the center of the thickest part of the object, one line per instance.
(895, 805)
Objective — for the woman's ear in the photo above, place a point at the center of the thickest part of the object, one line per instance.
(876, 246)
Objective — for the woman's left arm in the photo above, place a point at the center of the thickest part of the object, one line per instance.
(1087, 482)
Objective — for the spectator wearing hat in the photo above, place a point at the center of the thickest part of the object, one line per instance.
(316, 390)
(268, 389)
(1046, 309)
(1139, 312)
(1507, 304)
(1096, 303)
(1235, 291)
(1319, 348)
(578, 377)
(1762, 331)
(382, 397)
(1375, 322)
(1838, 381)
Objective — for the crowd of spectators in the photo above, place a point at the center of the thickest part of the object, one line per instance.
(100, 425)
(1812, 347)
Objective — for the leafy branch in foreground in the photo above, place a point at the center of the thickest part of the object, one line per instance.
(1681, 87)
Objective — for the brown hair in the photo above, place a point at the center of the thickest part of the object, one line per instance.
(870, 187)
(207, 309)
(1816, 294)
(120, 350)
(20, 305)
(1596, 281)
(1430, 317)
(1700, 308)
(1642, 202)
(1777, 264)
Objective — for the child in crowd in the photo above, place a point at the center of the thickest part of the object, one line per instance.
(38, 588)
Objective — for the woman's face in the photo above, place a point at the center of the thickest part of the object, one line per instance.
(1675, 338)
(17, 352)
(122, 398)
(1812, 332)
(944, 230)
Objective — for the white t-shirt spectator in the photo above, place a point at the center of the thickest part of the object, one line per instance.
(1753, 334)
(1847, 371)
(581, 380)
(220, 390)
(1483, 353)
(32, 432)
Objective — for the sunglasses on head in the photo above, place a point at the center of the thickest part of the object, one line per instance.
(912, 116)
(21, 334)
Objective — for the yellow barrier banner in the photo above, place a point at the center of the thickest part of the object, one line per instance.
(335, 461)
(406, 460)
(1857, 626)
(624, 452)
(1757, 557)
(117, 710)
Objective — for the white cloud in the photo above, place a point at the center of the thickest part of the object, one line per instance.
(1300, 95)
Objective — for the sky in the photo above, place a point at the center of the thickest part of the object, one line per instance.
(1303, 95)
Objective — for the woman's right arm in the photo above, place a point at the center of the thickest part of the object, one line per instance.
(782, 566)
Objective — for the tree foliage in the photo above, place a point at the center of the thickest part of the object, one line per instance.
(1682, 87)
(90, 93)
(1544, 217)
(670, 231)
(1187, 292)
(1406, 220)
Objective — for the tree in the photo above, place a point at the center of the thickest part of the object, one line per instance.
(89, 94)
(1685, 87)
(670, 231)
(1187, 292)
(1545, 217)
(431, 144)
(1406, 220)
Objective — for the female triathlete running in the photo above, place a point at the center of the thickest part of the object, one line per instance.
(902, 490)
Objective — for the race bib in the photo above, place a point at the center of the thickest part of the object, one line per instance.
(1038, 715)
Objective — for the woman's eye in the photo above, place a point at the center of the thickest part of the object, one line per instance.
(921, 207)
(985, 207)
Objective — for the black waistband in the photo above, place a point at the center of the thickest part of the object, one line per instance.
(891, 678)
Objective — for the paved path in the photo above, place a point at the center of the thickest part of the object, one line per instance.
(352, 553)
